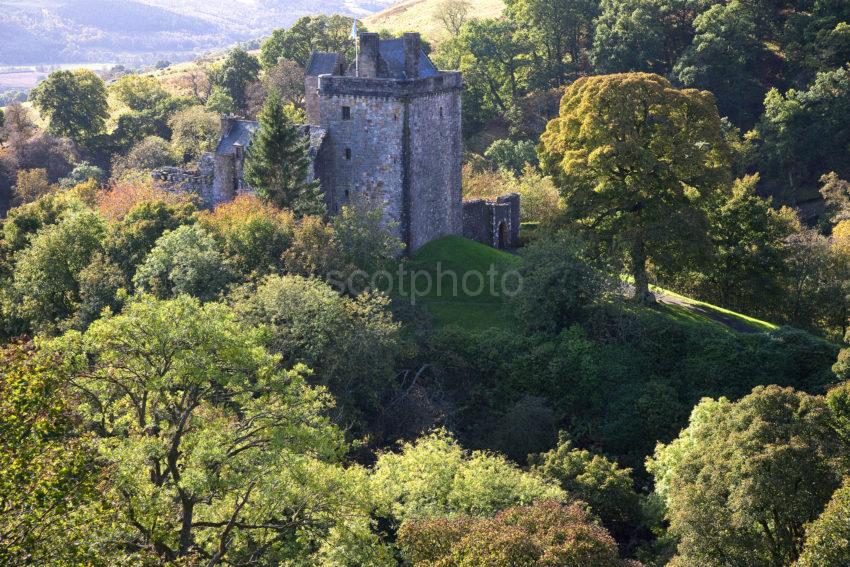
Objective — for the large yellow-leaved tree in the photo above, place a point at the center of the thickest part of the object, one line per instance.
(637, 162)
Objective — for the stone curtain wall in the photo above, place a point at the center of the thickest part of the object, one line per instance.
(199, 181)
(478, 221)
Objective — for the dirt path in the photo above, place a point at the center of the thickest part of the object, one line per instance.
(730, 321)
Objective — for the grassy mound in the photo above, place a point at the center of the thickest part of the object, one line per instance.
(436, 274)
(460, 282)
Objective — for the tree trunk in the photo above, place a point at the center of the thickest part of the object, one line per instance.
(638, 254)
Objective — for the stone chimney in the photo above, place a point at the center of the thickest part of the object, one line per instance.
(412, 48)
(367, 59)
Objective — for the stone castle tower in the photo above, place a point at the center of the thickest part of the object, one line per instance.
(392, 125)
(386, 128)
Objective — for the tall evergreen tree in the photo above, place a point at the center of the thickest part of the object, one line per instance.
(277, 164)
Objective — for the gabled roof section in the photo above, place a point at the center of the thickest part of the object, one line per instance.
(392, 56)
(323, 63)
(240, 132)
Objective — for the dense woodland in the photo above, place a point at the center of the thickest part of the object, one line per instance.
(180, 386)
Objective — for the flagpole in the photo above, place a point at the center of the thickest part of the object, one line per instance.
(356, 39)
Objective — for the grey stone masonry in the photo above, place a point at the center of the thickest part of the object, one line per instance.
(494, 223)
(393, 125)
(384, 128)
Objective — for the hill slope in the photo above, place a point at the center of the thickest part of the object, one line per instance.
(74, 31)
(421, 16)
(478, 311)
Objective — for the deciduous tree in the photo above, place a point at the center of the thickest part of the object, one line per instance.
(216, 453)
(637, 160)
(74, 103)
(741, 482)
(235, 73)
(546, 533)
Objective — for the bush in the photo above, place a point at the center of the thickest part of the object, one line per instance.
(253, 234)
(512, 156)
(350, 343)
(547, 533)
(135, 235)
(149, 154)
(561, 281)
(184, 261)
(594, 479)
(435, 478)
(82, 173)
(124, 195)
(47, 273)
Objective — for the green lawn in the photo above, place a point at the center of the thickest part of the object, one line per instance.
(690, 310)
(435, 277)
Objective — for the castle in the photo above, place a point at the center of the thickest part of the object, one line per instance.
(386, 127)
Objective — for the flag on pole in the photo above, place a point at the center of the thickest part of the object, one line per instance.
(354, 29)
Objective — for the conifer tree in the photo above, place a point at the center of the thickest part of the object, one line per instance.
(278, 162)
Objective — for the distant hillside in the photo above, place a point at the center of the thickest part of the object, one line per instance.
(421, 16)
(129, 31)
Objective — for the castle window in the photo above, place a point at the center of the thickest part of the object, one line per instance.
(346, 113)
(347, 153)
(441, 112)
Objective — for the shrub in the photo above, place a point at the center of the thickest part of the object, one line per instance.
(253, 234)
(184, 261)
(547, 533)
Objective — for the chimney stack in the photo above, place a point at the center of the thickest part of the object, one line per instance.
(367, 59)
(412, 48)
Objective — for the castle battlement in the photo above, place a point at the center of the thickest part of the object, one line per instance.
(446, 81)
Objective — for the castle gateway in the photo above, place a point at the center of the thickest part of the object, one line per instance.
(385, 128)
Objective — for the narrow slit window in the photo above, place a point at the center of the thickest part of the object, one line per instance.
(346, 113)
(348, 153)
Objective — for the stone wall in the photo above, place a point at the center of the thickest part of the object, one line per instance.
(401, 141)
(493, 223)
(198, 181)
(226, 182)
(311, 99)
(362, 155)
(477, 221)
(435, 167)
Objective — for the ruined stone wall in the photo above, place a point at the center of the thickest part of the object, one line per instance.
(362, 155)
(435, 167)
(198, 181)
(477, 221)
(512, 202)
(493, 223)
(225, 180)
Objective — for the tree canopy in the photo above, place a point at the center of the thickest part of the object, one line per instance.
(638, 160)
